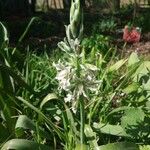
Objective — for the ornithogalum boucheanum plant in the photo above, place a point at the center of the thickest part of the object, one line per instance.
(76, 77)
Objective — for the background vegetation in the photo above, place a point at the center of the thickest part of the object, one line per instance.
(87, 92)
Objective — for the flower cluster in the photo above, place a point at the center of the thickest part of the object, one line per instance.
(72, 84)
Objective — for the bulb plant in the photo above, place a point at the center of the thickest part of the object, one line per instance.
(76, 77)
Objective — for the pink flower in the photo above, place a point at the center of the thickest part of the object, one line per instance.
(132, 36)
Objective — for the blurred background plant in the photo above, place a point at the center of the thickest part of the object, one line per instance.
(107, 26)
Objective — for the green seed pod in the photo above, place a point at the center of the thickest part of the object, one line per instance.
(68, 33)
(72, 9)
(74, 29)
(80, 35)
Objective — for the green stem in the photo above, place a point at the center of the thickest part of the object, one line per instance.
(81, 103)
(82, 121)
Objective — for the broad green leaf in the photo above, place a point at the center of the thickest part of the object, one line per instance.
(132, 117)
(91, 137)
(3, 35)
(81, 147)
(143, 69)
(148, 105)
(133, 59)
(116, 130)
(133, 122)
(49, 97)
(25, 123)
(117, 65)
(120, 146)
(146, 86)
(131, 88)
(21, 144)
(144, 147)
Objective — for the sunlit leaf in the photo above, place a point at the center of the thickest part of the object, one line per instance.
(120, 146)
(21, 144)
(116, 130)
(133, 59)
(49, 97)
(133, 122)
(131, 88)
(91, 137)
(3, 35)
(81, 147)
(117, 65)
(132, 117)
(143, 69)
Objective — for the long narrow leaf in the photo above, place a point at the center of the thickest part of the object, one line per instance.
(3, 35)
(49, 97)
(16, 77)
(53, 126)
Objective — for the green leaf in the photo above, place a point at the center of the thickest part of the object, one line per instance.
(21, 144)
(27, 29)
(116, 130)
(146, 84)
(4, 133)
(133, 122)
(117, 65)
(49, 97)
(91, 136)
(143, 69)
(25, 123)
(120, 146)
(45, 118)
(123, 108)
(16, 77)
(145, 147)
(131, 88)
(3, 35)
(132, 117)
(133, 59)
(81, 147)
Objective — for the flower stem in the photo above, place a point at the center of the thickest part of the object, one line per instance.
(81, 103)
(82, 121)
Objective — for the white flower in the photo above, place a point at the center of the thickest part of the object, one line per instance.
(68, 98)
(63, 77)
